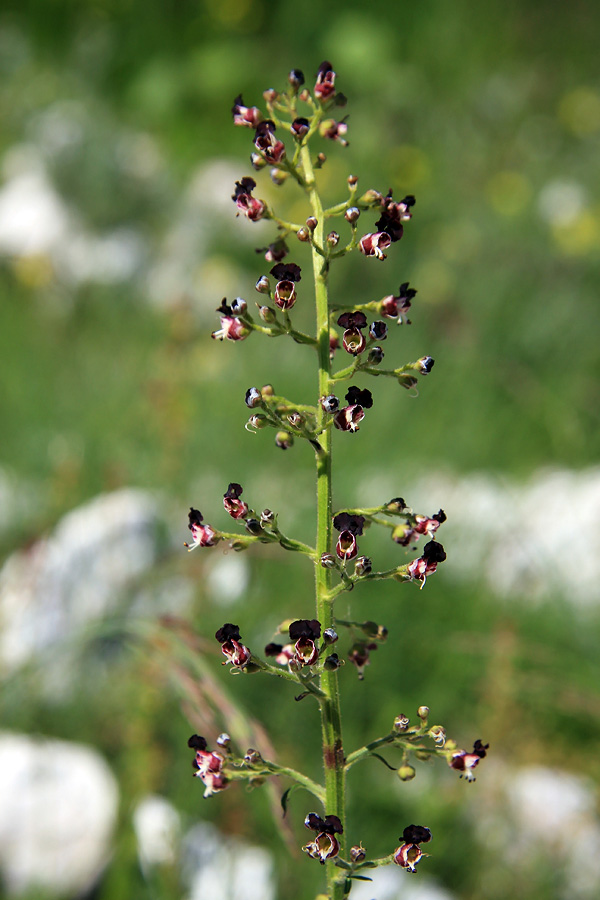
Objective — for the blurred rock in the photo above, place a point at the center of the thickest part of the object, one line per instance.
(77, 575)
(157, 825)
(57, 816)
(223, 869)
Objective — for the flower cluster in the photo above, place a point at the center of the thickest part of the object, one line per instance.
(349, 417)
(464, 762)
(325, 845)
(412, 529)
(303, 649)
(410, 853)
(208, 765)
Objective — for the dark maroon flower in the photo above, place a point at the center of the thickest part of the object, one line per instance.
(373, 244)
(202, 535)
(394, 214)
(335, 131)
(359, 656)
(347, 419)
(325, 845)
(236, 508)
(393, 307)
(265, 141)
(305, 632)
(245, 115)
(355, 319)
(252, 208)
(325, 85)
(348, 522)
(285, 294)
(353, 339)
(363, 397)
(286, 272)
(346, 546)
(208, 766)
(409, 854)
(275, 252)
(419, 569)
(465, 762)
(300, 127)
(232, 328)
(231, 647)
(296, 78)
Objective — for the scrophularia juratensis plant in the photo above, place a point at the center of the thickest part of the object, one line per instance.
(305, 656)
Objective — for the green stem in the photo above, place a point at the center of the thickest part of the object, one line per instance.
(331, 726)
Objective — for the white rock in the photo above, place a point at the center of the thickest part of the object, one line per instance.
(57, 816)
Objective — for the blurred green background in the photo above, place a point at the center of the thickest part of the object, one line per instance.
(118, 241)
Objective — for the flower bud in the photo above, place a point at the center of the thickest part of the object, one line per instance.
(253, 398)
(253, 526)
(267, 390)
(328, 561)
(423, 712)
(303, 234)
(371, 198)
(304, 95)
(438, 733)
(251, 757)
(406, 773)
(262, 285)
(329, 635)
(300, 127)
(425, 364)
(352, 214)
(224, 740)
(332, 662)
(362, 566)
(296, 78)
(330, 404)
(333, 238)
(357, 853)
(239, 306)
(267, 314)
(378, 331)
(270, 95)
(278, 177)
(257, 161)
(321, 158)
(311, 223)
(267, 517)
(352, 180)
(375, 356)
(258, 421)
(295, 420)
(284, 440)
(401, 723)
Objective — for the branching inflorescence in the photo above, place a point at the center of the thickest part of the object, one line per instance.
(305, 653)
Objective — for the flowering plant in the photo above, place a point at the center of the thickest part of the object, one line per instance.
(305, 655)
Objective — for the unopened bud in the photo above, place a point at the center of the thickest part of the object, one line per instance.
(406, 773)
(425, 364)
(270, 95)
(262, 285)
(423, 712)
(321, 158)
(258, 162)
(311, 223)
(278, 176)
(251, 757)
(332, 662)
(333, 238)
(362, 566)
(371, 198)
(267, 517)
(330, 404)
(401, 723)
(253, 526)
(352, 214)
(267, 390)
(258, 421)
(352, 180)
(438, 734)
(239, 306)
(284, 440)
(224, 740)
(378, 330)
(303, 234)
(328, 561)
(357, 854)
(304, 95)
(296, 78)
(330, 636)
(253, 398)
(375, 356)
(295, 419)
(267, 314)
